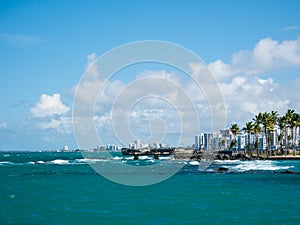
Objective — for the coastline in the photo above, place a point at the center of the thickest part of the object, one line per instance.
(228, 155)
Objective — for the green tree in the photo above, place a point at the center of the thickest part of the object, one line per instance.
(249, 129)
(268, 122)
(257, 131)
(282, 126)
(271, 126)
(288, 120)
(298, 126)
(234, 128)
(294, 125)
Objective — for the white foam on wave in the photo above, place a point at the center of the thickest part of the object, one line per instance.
(6, 163)
(60, 161)
(194, 163)
(88, 160)
(128, 158)
(39, 162)
(166, 157)
(243, 166)
(227, 161)
(117, 158)
(144, 157)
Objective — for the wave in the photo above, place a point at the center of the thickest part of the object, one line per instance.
(244, 166)
(144, 157)
(233, 166)
(117, 158)
(194, 163)
(6, 163)
(59, 161)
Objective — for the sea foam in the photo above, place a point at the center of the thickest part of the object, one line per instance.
(255, 165)
(60, 161)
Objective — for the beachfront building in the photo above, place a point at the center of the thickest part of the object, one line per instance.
(202, 141)
(262, 142)
(222, 140)
(241, 142)
(274, 140)
(205, 141)
(112, 147)
(199, 141)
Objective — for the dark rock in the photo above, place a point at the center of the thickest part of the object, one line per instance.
(287, 172)
(226, 157)
(220, 169)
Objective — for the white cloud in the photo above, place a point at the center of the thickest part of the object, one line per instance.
(2, 124)
(246, 96)
(49, 106)
(268, 55)
(62, 124)
(50, 113)
(21, 39)
(102, 121)
(290, 28)
(91, 58)
(245, 91)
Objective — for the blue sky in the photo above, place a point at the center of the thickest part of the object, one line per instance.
(44, 47)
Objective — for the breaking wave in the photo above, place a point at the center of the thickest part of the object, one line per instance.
(256, 165)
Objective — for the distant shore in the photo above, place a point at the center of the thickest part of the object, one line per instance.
(228, 155)
(283, 157)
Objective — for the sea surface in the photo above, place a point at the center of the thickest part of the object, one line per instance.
(62, 188)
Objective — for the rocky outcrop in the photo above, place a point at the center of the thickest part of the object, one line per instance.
(287, 172)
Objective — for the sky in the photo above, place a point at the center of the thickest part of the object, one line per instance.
(251, 47)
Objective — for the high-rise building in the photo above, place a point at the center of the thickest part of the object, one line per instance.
(199, 141)
(262, 142)
(241, 141)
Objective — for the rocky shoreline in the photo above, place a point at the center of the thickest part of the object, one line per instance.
(229, 155)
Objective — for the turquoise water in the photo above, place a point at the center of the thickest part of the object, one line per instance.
(61, 188)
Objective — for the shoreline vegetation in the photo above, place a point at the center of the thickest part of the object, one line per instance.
(281, 135)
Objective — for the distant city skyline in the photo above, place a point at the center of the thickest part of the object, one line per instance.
(252, 48)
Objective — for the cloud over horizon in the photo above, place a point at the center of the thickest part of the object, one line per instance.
(50, 113)
(245, 84)
(20, 40)
(268, 55)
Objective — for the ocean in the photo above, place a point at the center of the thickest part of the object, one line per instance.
(62, 188)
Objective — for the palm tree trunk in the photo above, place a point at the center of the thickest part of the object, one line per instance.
(293, 140)
(249, 146)
(256, 145)
(286, 141)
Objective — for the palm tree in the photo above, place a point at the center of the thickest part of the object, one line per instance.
(268, 121)
(234, 128)
(282, 126)
(271, 126)
(295, 125)
(288, 120)
(265, 121)
(249, 129)
(256, 130)
(298, 126)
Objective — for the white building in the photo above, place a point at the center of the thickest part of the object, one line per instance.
(199, 141)
(205, 141)
(262, 142)
(241, 141)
